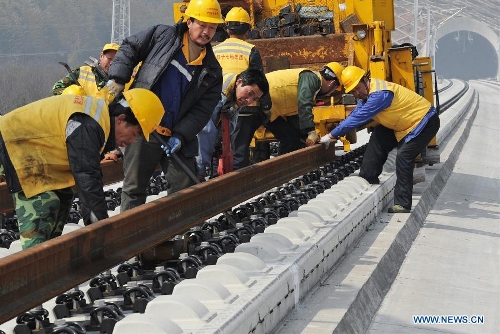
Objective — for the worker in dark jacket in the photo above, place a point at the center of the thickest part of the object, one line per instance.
(41, 163)
(235, 55)
(239, 90)
(179, 66)
(406, 121)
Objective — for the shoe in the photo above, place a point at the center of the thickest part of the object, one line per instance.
(398, 209)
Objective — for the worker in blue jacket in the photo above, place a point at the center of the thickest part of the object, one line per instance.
(179, 66)
(406, 121)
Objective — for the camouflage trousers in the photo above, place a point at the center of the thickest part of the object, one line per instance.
(42, 217)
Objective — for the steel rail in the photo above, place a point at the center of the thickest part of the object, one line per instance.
(33, 276)
(113, 172)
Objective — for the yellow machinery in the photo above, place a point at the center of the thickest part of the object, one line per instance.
(311, 33)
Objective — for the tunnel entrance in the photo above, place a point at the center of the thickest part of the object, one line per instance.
(466, 55)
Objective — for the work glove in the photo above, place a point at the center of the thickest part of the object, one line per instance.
(113, 155)
(326, 140)
(114, 87)
(173, 145)
(312, 138)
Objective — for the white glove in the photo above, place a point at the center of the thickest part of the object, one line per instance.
(115, 88)
(326, 140)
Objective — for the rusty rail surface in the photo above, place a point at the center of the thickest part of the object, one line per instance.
(33, 276)
(112, 172)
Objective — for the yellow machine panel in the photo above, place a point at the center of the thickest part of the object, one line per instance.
(375, 10)
(179, 8)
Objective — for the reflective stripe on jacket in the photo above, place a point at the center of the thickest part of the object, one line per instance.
(87, 80)
(156, 47)
(233, 55)
(35, 138)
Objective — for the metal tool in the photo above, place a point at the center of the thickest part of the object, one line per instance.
(73, 76)
(94, 63)
(177, 159)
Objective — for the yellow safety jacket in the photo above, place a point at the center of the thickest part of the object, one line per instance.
(88, 83)
(283, 88)
(228, 82)
(35, 138)
(233, 55)
(406, 110)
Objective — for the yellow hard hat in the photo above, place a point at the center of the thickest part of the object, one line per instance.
(147, 108)
(336, 68)
(110, 46)
(237, 14)
(351, 76)
(74, 90)
(205, 11)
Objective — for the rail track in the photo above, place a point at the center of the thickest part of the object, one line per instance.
(31, 277)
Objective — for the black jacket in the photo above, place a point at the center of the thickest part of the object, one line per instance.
(155, 48)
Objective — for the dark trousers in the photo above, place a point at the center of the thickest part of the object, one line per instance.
(286, 131)
(382, 142)
(242, 136)
(139, 163)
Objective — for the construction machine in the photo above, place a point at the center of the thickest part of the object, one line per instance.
(312, 33)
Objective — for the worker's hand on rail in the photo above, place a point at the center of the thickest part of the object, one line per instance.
(312, 138)
(326, 140)
(173, 145)
(114, 87)
(113, 155)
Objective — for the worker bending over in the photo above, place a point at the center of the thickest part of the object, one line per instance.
(41, 163)
(235, 55)
(238, 91)
(293, 93)
(407, 121)
(91, 82)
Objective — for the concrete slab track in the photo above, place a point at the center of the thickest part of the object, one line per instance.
(453, 266)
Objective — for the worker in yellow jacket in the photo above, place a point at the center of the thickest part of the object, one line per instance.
(88, 77)
(41, 163)
(293, 94)
(407, 121)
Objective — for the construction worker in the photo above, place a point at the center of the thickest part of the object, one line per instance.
(235, 55)
(91, 83)
(405, 120)
(239, 90)
(294, 93)
(88, 77)
(41, 163)
(179, 66)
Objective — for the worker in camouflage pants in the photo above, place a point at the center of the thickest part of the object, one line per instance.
(56, 203)
(42, 164)
(51, 209)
